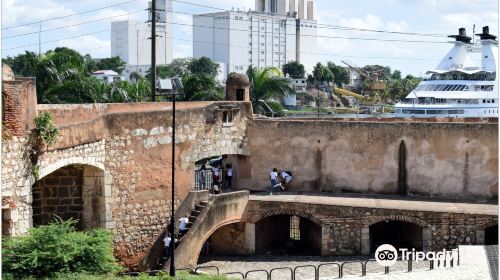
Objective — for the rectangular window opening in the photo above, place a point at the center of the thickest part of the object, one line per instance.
(295, 228)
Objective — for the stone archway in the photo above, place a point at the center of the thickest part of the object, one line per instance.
(78, 190)
(312, 232)
(406, 227)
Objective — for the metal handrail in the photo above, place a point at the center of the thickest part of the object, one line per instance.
(325, 264)
(344, 263)
(235, 272)
(208, 266)
(364, 269)
(303, 266)
(281, 268)
(185, 268)
(257, 270)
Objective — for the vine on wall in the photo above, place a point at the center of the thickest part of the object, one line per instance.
(46, 135)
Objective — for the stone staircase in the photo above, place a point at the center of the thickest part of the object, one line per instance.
(195, 213)
(205, 218)
(193, 204)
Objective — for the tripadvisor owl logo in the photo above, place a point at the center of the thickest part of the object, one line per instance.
(386, 255)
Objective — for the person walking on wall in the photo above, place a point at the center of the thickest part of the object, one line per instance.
(274, 179)
(287, 177)
(183, 225)
(228, 180)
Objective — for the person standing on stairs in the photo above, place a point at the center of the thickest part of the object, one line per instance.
(183, 225)
(167, 241)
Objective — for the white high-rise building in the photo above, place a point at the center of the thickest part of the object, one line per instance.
(130, 40)
(278, 31)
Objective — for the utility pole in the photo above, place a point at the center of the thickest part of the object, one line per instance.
(40, 39)
(153, 50)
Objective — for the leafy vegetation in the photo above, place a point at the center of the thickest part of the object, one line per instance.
(340, 74)
(65, 76)
(266, 84)
(110, 276)
(294, 70)
(45, 129)
(321, 74)
(58, 248)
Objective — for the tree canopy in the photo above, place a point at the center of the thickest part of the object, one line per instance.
(294, 70)
(321, 74)
(267, 84)
(341, 75)
(63, 75)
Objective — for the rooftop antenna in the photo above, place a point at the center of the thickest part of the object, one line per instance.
(473, 33)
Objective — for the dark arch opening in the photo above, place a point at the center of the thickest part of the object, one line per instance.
(287, 235)
(74, 191)
(399, 234)
(228, 240)
(491, 235)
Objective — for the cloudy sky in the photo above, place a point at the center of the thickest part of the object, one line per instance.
(414, 16)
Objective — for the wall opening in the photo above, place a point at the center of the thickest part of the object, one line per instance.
(228, 240)
(287, 235)
(402, 181)
(217, 171)
(397, 233)
(491, 235)
(74, 191)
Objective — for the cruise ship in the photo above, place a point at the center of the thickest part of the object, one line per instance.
(458, 88)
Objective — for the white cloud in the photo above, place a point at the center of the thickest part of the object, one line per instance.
(183, 50)
(185, 23)
(88, 44)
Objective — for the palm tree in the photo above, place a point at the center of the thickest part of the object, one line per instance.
(53, 68)
(266, 84)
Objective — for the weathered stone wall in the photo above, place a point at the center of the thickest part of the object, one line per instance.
(16, 181)
(130, 145)
(229, 240)
(138, 157)
(59, 193)
(442, 159)
(346, 228)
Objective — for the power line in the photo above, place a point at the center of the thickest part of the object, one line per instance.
(72, 25)
(80, 13)
(60, 39)
(325, 25)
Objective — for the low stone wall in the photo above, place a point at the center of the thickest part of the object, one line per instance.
(452, 159)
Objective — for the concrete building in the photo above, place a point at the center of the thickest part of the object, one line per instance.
(108, 76)
(130, 40)
(272, 35)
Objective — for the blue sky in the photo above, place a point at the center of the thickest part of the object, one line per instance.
(426, 16)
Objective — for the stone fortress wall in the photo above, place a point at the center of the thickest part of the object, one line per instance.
(117, 158)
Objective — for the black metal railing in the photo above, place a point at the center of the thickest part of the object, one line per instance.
(198, 182)
(341, 269)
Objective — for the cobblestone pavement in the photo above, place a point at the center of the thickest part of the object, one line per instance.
(473, 266)
(352, 266)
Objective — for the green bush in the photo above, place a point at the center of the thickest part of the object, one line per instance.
(45, 128)
(58, 248)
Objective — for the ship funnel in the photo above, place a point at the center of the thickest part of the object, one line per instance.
(462, 36)
(486, 34)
